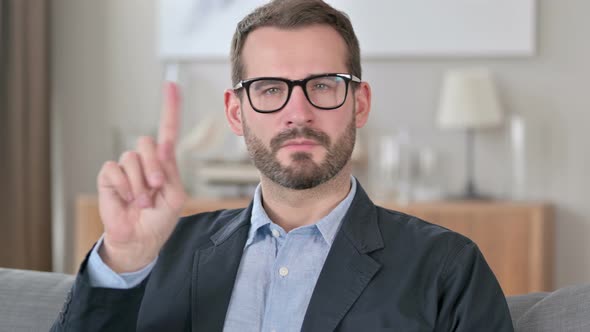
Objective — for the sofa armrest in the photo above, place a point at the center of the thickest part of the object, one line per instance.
(566, 310)
(31, 300)
(520, 304)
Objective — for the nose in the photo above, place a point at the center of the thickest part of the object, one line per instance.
(298, 111)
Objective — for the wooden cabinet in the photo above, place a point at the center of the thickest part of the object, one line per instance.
(517, 239)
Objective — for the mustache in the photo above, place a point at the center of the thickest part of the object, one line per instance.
(299, 132)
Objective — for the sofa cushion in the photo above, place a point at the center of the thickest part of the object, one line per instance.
(566, 310)
(31, 300)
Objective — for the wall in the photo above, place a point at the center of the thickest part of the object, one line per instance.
(106, 75)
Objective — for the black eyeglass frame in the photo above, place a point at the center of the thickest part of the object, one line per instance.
(245, 84)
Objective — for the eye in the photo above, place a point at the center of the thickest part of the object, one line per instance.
(272, 91)
(320, 86)
(324, 84)
(268, 88)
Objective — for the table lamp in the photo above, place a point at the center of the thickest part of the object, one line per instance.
(468, 102)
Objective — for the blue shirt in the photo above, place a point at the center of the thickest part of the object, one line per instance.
(277, 274)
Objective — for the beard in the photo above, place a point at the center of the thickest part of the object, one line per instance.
(303, 172)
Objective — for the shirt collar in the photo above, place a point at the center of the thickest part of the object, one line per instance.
(328, 225)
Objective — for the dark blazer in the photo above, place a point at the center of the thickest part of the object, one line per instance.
(386, 271)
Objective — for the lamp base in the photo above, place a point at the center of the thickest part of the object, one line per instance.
(470, 197)
(471, 194)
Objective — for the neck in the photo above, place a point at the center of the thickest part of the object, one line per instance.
(290, 208)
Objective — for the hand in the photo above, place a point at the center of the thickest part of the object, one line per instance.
(141, 197)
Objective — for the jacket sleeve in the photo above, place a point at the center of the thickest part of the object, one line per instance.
(90, 309)
(470, 297)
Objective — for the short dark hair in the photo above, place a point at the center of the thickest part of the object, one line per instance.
(294, 14)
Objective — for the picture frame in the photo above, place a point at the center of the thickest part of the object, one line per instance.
(203, 29)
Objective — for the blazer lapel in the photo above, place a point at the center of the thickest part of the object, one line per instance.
(214, 274)
(348, 268)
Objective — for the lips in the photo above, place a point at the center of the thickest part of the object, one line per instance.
(300, 143)
(300, 138)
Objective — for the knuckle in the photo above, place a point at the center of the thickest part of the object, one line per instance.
(107, 167)
(108, 173)
(128, 156)
(120, 182)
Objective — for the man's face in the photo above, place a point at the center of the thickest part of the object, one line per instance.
(300, 146)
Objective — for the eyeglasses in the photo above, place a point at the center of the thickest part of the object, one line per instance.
(271, 94)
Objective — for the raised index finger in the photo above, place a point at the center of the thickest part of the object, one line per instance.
(170, 117)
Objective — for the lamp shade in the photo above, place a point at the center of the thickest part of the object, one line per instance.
(469, 100)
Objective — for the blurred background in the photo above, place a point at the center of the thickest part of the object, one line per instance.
(461, 94)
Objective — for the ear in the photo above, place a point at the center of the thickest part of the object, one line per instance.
(233, 111)
(362, 97)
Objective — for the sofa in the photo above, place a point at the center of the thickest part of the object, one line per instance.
(31, 301)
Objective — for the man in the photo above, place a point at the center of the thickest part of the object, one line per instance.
(311, 252)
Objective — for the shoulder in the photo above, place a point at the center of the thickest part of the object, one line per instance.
(403, 233)
(208, 222)
(395, 223)
(195, 231)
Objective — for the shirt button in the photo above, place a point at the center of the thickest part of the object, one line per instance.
(283, 271)
(275, 233)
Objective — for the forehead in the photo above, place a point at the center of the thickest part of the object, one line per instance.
(294, 53)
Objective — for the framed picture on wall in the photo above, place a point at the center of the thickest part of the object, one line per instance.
(202, 29)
